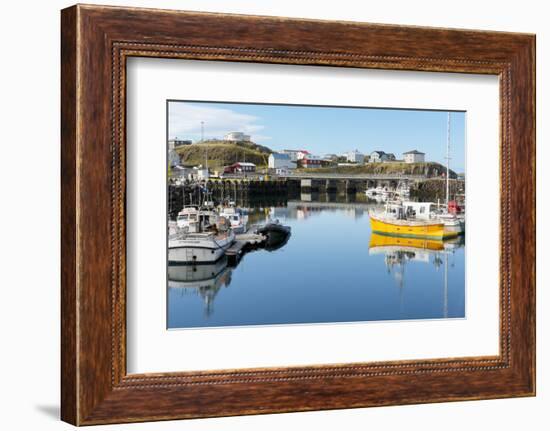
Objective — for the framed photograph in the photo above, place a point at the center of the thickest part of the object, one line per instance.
(263, 214)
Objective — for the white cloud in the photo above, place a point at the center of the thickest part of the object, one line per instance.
(185, 122)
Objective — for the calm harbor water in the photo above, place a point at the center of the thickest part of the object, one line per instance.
(332, 269)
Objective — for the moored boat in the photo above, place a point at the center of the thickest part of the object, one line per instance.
(409, 219)
(236, 217)
(199, 248)
(203, 239)
(276, 234)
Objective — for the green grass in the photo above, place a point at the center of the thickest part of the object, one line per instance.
(430, 169)
(221, 154)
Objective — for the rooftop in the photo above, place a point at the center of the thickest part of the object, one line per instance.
(280, 156)
(414, 152)
(244, 164)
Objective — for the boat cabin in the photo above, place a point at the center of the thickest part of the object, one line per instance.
(194, 220)
(419, 210)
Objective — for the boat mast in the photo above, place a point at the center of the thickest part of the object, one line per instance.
(202, 142)
(447, 158)
(446, 288)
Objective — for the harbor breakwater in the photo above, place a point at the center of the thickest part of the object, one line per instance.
(273, 192)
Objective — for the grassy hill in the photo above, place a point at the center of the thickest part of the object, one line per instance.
(430, 169)
(222, 153)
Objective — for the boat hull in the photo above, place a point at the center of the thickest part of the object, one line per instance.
(410, 229)
(194, 255)
(197, 252)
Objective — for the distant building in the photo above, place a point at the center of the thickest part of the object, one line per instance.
(310, 161)
(328, 162)
(378, 156)
(174, 143)
(189, 173)
(296, 155)
(280, 160)
(282, 171)
(180, 172)
(414, 156)
(237, 137)
(240, 167)
(355, 156)
(303, 154)
(390, 157)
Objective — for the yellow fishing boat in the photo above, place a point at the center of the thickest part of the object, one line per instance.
(400, 220)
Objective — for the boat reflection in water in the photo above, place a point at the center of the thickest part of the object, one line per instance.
(205, 280)
(399, 252)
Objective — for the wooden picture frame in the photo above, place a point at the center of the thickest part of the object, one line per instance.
(95, 43)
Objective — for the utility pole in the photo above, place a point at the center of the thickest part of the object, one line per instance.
(202, 142)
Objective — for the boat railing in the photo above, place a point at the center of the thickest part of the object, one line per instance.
(180, 233)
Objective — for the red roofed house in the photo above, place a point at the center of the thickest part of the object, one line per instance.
(245, 167)
(310, 161)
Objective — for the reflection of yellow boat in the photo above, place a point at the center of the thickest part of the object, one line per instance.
(403, 243)
(401, 221)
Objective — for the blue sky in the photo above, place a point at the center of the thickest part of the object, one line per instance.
(324, 130)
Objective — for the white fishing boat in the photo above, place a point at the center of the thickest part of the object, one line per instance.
(236, 217)
(382, 194)
(203, 238)
(379, 194)
(450, 215)
(186, 217)
(452, 222)
(403, 191)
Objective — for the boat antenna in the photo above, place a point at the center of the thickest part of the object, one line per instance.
(448, 158)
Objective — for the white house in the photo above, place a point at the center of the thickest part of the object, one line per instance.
(181, 172)
(414, 156)
(236, 137)
(296, 155)
(280, 160)
(378, 156)
(355, 156)
(381, 156)
(293, 154)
